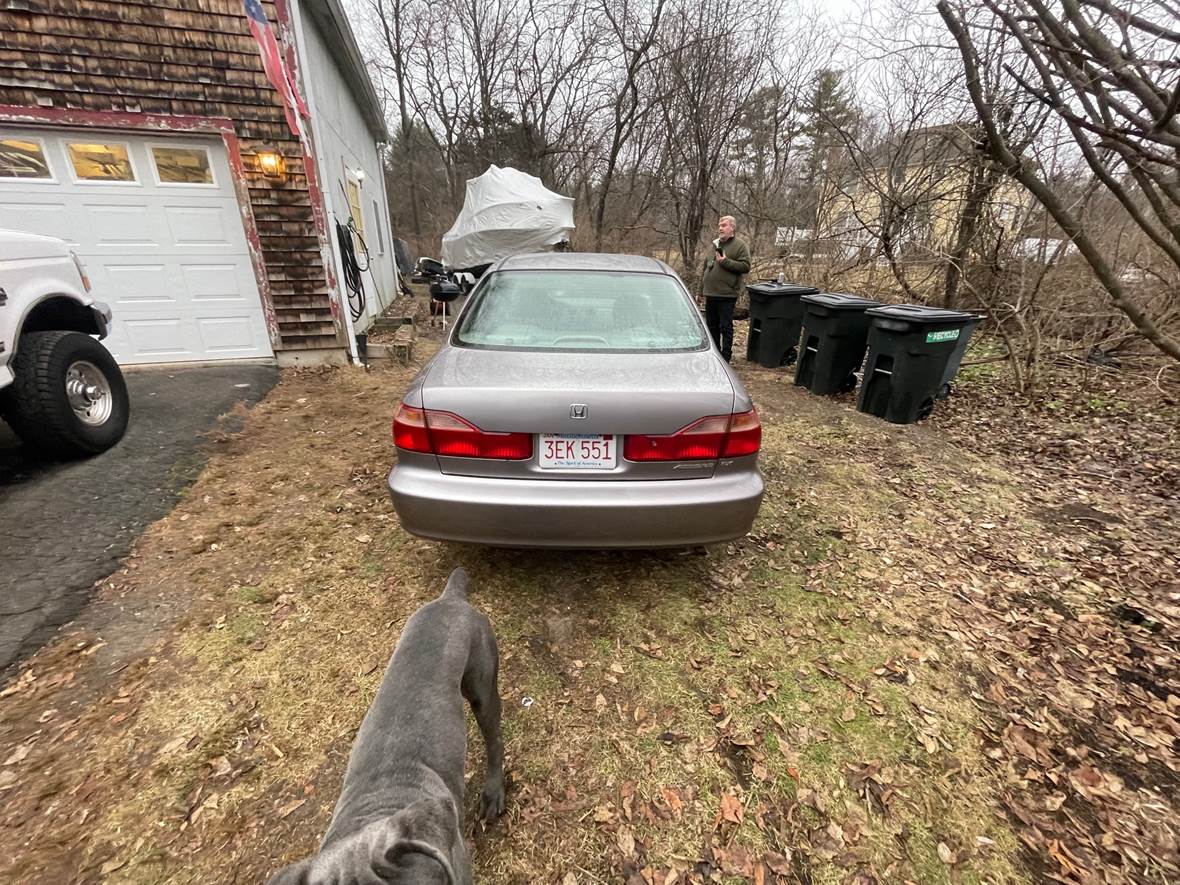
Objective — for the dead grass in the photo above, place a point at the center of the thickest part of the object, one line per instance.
(793, 672)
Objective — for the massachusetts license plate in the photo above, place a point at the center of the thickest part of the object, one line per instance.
(577, 451)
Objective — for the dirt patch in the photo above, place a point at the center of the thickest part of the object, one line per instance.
(419, 307)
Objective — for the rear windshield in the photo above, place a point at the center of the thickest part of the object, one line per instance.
(581, 310)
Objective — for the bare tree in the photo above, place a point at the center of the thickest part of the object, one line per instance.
(983, 179)
(561, 50)
(715, 61)
(490, 32)
(443, 95)
(634, 27)
(1118, 101)
(400, 39)
(767, 144)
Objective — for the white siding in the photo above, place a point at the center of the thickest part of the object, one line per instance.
(345, 144)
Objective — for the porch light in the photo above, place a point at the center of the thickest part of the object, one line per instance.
(271, 164)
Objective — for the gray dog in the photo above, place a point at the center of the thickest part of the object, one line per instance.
(400, 814)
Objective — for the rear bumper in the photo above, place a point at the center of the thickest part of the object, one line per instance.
(567, 514)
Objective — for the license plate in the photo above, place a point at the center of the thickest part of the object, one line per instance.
(577, 451)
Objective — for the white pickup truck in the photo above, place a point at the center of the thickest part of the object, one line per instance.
(60, 389)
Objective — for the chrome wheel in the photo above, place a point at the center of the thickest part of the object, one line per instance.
(89, 393)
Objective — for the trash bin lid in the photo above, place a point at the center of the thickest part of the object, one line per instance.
(778, 290)
(840, 301)
(921, 314)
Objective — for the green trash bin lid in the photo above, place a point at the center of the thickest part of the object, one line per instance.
(840, 301)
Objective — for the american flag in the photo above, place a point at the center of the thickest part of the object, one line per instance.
(272, 62)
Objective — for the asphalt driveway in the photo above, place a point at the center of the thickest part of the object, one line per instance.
(64, 526)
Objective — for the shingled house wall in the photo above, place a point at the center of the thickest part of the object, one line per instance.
(184, 58)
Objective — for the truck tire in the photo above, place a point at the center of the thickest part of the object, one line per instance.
(68, 398)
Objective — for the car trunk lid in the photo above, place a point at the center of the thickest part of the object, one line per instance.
(545, 392)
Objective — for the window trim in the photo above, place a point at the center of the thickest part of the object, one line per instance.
(150, 147)
(377, 228)
(350, 179)
(40, 141)
(137, 177)
(360, 233)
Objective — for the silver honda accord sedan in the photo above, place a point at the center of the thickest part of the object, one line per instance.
(578, 402)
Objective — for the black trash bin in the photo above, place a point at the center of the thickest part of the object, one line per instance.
(776, 315)
(834, 332)
(910, 350)
(956, 360)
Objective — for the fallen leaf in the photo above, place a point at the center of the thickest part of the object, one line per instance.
(287, 809)
(173, 746)
(111, 865)
(626, 842)
(836, 832)
(672, 800)
(19, 754)
(779, 864)
(731, 808)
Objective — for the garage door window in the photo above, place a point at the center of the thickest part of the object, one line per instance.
(176, 165)
(100, 161)
(22, 158)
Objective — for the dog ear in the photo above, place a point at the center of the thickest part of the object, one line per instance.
(427, 827)
(295, 874)
(413, 857)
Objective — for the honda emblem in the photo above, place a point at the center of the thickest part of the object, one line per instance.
(579, 410)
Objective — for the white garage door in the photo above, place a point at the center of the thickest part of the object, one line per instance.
(157, 224)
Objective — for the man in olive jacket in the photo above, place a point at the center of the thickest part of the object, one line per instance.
(724, 268)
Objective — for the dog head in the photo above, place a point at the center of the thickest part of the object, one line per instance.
(420, 844)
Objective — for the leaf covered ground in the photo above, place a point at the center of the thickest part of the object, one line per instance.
(945, 653)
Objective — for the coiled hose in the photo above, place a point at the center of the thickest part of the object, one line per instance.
(352, 269)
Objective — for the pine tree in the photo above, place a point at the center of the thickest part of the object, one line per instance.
(830, 110)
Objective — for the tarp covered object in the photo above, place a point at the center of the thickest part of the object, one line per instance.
(505, 212)
(404, 255)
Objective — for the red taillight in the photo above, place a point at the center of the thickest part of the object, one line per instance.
(699, 441)
(454, 436)
(717, 436)
(745, 435)
(444, 433)
(409, 429)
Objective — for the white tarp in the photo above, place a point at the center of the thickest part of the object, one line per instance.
(506, 212)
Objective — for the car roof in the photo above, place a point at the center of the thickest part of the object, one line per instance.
(582, 261)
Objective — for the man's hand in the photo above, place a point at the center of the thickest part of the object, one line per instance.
(720, 255)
